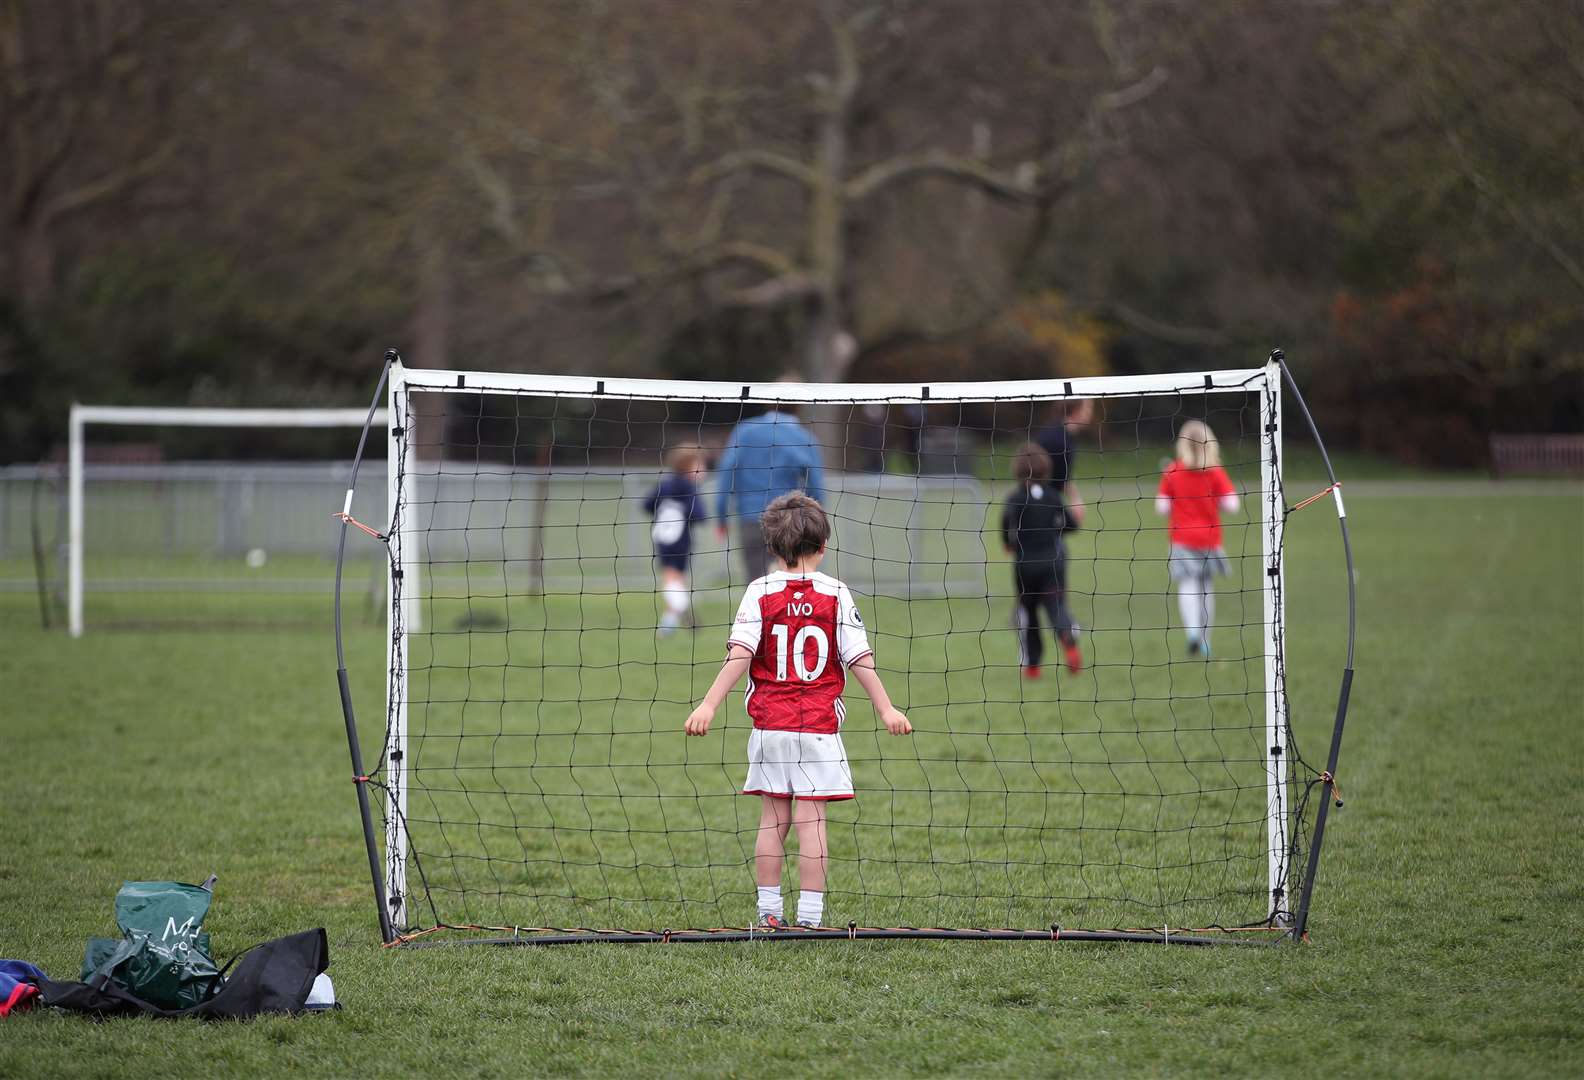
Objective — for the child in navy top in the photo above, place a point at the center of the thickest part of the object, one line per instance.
(675, 506)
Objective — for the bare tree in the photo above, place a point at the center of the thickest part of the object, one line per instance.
(734, 166)
(85, 118)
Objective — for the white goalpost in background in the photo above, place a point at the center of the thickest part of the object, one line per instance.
(82, 416)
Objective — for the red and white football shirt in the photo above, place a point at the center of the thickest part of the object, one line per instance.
(804, 632)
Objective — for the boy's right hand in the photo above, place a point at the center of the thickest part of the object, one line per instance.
(698, 721)
(896, 723)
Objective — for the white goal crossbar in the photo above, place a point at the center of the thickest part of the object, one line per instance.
(1234, 379)
(137, 416)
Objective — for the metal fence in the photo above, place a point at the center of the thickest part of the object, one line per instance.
(267, 526)
(221, 526)
(586, 530)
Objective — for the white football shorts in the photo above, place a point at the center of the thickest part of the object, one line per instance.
(797, 764)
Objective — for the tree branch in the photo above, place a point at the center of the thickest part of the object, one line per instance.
(775, 291)
(1020, 185)
(1113, 100)
(741, 251)
(787, 280)
(111, 183)
(745, 160)
(1513, 213)
(840, 90)
(496, 191)
(1169, 332)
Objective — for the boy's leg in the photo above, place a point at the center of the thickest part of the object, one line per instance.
(775, 818)
(1061, 619)
(1029, 603)
(1206, 608)
(755, 556)
(674, 591)
(812, 856)
(1056, 604)
(1188, 605)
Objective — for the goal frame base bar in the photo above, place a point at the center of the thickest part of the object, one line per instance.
(524, 936)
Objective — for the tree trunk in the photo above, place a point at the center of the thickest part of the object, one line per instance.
(823, 361)
(35, 266)
(431, 323)
(430, 332)
(824, 357)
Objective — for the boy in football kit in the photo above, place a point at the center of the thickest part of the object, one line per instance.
(796, 634)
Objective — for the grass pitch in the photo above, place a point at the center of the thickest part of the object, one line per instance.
(549, 785)
(1446, 930)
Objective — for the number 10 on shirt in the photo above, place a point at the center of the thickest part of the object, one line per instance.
(800, 643)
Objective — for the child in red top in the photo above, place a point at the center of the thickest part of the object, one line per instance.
(1194, 492)
(796, 635)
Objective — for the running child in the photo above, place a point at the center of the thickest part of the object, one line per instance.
(1194, 492)
(796, 635)
(675, 505)
(1033, 523)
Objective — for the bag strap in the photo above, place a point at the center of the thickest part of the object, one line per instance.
(239, 955)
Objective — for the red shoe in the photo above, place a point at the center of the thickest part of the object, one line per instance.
(1074, 659)
(1032, 671)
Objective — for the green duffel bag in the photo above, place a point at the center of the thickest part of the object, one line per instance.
(163, 954)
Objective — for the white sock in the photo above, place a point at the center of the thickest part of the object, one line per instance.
(1188, 604)
(1207, 604)
(811, 907)
(676, 598)
(770, 900)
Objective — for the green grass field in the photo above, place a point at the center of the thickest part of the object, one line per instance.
(549, 786)
(1445, 935)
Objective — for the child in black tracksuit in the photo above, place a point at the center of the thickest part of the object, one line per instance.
(1032, 525)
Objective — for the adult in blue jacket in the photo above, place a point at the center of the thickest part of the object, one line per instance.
(766, 457)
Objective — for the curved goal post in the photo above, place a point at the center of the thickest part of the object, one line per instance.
(1144, 783)
(164, 532)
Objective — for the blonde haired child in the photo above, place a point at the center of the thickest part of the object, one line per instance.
(1194, 492)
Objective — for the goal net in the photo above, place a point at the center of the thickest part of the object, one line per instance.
(536, 783)
(204, 516)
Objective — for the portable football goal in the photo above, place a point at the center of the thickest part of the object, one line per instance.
(532, 784)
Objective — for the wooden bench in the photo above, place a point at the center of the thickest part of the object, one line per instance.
(1536, 454)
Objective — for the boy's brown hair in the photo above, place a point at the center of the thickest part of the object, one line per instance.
(1031, 463)
(684, 457)
(794, 526)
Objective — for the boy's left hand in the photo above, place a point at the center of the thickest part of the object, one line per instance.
(896, 723)
(698, 722)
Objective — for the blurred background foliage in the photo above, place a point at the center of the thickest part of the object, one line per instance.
(244, 203)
